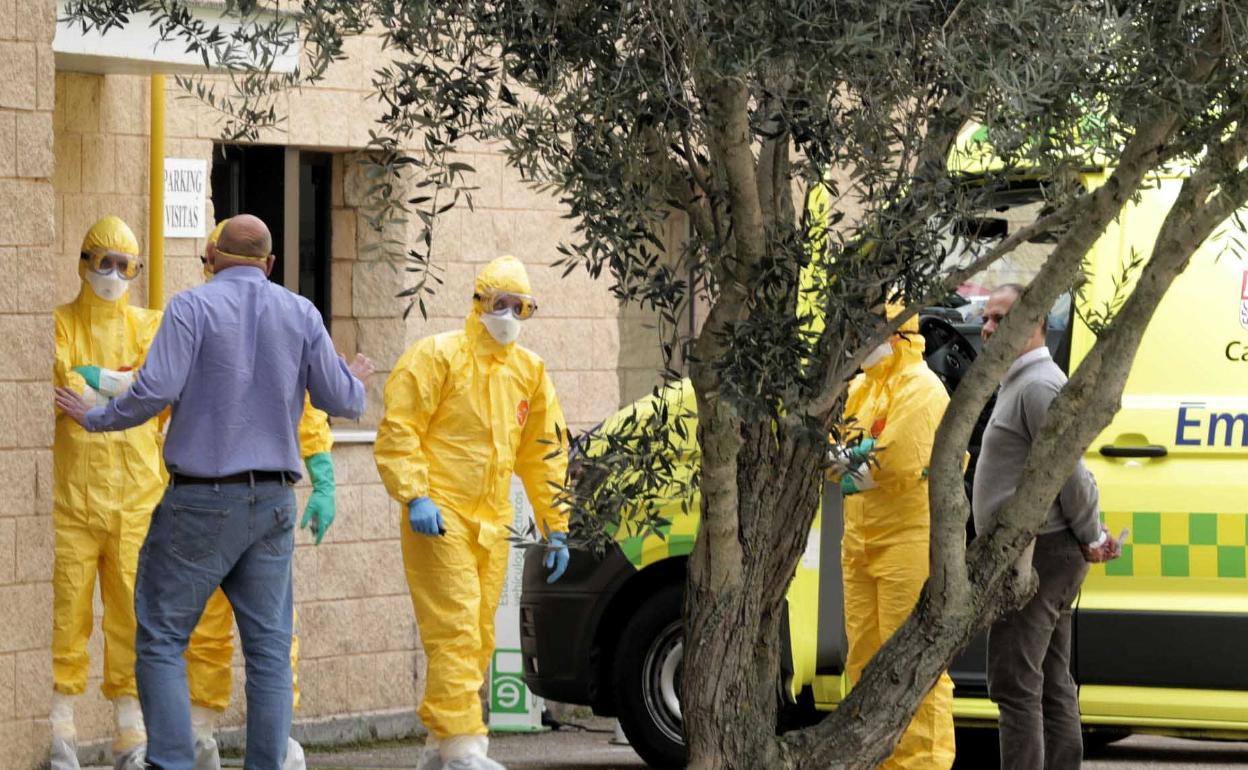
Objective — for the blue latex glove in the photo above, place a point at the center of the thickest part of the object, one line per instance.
(424, 517)
(557, 555)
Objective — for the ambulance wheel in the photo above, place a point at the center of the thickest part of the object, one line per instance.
(647, 680)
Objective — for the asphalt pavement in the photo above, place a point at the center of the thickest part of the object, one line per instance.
(591, 749)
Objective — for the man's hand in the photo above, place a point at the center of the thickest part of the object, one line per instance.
(361, 367)
(72, 405)
(1107, 551)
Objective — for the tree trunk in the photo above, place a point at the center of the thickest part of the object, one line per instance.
(761, 486)
(756, 509)
(724, 710)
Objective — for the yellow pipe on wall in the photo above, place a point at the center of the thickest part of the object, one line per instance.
(156, 196)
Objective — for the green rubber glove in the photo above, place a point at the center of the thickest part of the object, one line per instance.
(862, 450)
(109, 383)
(848, 487)
(89, 373)
(321, 509)
(859, 480)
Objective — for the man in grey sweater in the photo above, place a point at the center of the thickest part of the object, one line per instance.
(1029, 650)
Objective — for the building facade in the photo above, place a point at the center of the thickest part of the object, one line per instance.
(74, 147)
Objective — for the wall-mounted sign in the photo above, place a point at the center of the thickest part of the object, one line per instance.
(186, 196)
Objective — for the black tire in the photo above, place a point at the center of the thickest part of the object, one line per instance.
(647, 676)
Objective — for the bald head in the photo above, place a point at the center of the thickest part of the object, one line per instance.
(245, 241)
(246, 236)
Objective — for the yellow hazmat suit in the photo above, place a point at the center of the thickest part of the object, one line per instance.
(462, 414)
(104, 485)
(898, 402)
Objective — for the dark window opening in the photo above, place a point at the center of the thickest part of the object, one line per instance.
(251, 179)
(248, 179)
(315, 178)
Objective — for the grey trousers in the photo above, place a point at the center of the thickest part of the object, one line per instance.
(1029, 665)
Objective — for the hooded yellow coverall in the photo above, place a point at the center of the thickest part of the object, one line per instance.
(104, 485)
(211, 647)
(462, 413)
(884, 555)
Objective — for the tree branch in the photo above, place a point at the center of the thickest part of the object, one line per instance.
(728, 106)
(1088, 402)
(947, 495)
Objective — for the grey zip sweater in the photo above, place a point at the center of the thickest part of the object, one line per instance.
(1029, 387)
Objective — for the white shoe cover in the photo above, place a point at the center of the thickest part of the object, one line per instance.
(294, 756)
(131, 759)
(473, 762)
(207, 757)
(64, 754)
(467, 752)
(430, 759)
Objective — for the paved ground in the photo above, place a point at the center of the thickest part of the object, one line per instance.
(589, 749)
(582, 750)
(1145, 751)
(1171, 753)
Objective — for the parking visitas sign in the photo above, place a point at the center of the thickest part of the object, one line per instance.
(186, 195)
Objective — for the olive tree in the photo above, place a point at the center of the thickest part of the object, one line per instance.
(732, 111)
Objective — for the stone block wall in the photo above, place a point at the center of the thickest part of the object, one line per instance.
(27, 244)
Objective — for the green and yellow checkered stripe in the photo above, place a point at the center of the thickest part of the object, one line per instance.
(1180, 545)
(676, 539)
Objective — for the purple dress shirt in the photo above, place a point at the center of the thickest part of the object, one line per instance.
(234, 358)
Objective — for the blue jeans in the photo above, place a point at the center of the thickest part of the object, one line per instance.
(239, 537)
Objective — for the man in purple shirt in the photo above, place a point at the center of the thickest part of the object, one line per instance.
(233, 358)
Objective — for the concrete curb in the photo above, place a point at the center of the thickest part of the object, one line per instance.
(329, 731)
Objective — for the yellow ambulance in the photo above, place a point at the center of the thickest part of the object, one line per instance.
(1159, 635)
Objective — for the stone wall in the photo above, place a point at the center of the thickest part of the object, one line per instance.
(27, 244)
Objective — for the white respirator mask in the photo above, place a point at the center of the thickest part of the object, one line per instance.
(502, 326)
(878, 354)
(107, 286)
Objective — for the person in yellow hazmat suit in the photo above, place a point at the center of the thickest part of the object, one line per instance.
(104, 488)
(463, 411)
(893, 408)
(211, 647)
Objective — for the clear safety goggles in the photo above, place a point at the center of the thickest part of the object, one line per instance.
(105, 262)
(522, 306)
